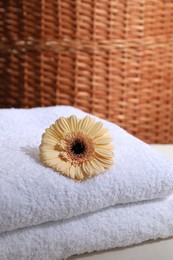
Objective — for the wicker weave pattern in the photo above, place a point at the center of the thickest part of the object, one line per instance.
(113, 58)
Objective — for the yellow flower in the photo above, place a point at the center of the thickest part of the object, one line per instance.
(78, 148)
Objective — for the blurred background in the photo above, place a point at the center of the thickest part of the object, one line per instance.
(112, 58)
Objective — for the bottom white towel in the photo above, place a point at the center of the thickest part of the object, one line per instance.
(117, 226)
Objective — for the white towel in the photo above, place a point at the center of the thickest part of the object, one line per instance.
(113, 227)
(32, 194)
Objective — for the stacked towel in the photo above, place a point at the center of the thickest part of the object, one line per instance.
(44, 215)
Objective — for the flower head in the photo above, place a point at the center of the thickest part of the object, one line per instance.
(77, 148)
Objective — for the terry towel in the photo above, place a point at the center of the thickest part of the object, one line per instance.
(31, 194)
(113, 227)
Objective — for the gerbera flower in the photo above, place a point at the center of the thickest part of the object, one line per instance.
(77, 148)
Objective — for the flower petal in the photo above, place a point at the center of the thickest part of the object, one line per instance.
(52, 162)
(104, 161)
(95, 128)
(79, 174)
(52, 133)
(62, 125)
(50, 153)
(103, 152)
(72, 173)
(100, 133)
(66, 168)
(85, 124)
(88, 169)
(97, 166)
(103, 140)
(61, 166)
(73, 123)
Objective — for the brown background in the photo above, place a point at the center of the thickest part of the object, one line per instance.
(111, 58)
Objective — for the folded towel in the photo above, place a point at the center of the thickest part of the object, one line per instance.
(32, 194)
(113, 227)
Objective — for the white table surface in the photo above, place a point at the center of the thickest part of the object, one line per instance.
(152, 250)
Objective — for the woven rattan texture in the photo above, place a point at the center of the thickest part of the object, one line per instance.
(113, 58)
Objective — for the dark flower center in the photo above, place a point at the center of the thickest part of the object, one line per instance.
(78, 147)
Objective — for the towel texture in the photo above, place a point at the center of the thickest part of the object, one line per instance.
(32, 194)
(113, 227)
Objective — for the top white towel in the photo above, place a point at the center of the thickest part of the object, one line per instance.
(32, 194)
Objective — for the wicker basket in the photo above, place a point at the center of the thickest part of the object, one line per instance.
(113, 58)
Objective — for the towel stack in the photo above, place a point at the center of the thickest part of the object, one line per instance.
(44, 215)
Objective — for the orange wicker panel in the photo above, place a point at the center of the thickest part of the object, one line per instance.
(113, 58)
